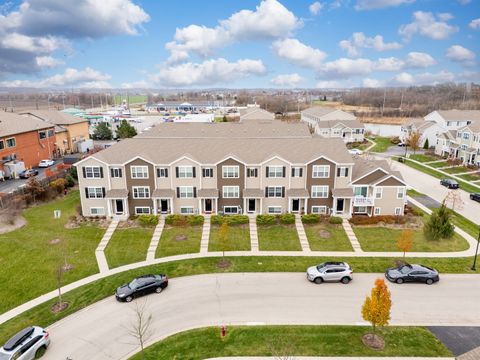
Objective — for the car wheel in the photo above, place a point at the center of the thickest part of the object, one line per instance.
(345, 280)
(158, 290)
(429, 281)
(129, 298)
(40, 352)
(318, 280)
(399, 281)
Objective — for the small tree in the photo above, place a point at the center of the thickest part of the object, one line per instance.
(413, 140)
(125, 130)
(405, 241)
(140, 326)
(102, 132)
(439, 226)
(377, 306)
(224, 119)
(224, 231)
(454, 201)
(426, 145)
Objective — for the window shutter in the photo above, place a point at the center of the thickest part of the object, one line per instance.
(266, 192)
(338, 171)
(203, 172)
(301, 172)
(111, 172)
(120, 172)
(101, 172)
(194, 191)
(256, 172)
(346, 172)
(84, 172)
(266, 175)
(283, 191)
(293, 171)
(284, 170)
(86, 192)
(166, 172)
(176, 171)
(103, 192)
(178, 192)
(193, 170)
(158, 172)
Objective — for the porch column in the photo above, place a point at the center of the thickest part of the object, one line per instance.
(125, 207)
(200, 206)
(244, 205)
(155, 206)
(261, 207)
(289, 204)
(216, 206)
(109, 207)
(306, 206)
(351, 206)
(334, 206)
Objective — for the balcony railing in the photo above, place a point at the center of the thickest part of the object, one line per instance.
(363, 201)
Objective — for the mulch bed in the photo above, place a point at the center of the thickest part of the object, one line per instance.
(59, 307)
(373, 341)
(325, 234)
(181, 237)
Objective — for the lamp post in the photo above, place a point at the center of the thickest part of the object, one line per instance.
(474, 267)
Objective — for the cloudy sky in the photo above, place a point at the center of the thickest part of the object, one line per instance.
(228, 43)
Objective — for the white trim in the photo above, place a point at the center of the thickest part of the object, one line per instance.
(183, 158)
(185, 192)
(388, 177)
(102, 213)
(229, 157)
(139, 166)
(403, 192)
(90, 158)
(275, 187)
(275, 157)
(183, 167)
(328, 167)
(274, 207)
(135, 158)
(375, 192)
(236, 190)
(370, 173)
(319, 186)
(375, 211)
(231, 207)
(187, 207)
(142, 213)
(140, 187)
(319, 207)
(230, 166)
(399, 211)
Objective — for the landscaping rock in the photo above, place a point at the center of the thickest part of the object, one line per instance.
(54, 241)
(373, 341)
(325, 234)
(59, 307)
(181, 237)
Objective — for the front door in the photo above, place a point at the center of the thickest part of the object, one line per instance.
(340, 203)
(295, 205)
(251, 205)
(164, 205)
(119, 206)
(208, 205)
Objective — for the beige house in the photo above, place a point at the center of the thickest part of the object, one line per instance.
(250, 168)
(69, 130)
(255, 113)
(462, 144)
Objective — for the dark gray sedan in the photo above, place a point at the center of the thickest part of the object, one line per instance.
(449, 183)
(140, 286)
(412, 273)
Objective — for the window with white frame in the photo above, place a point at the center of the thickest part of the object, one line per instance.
(185, 210)
(400, 193)
(139, 210)
(116, 172)
(319, 209)
(321, 171)
(398, 211)
(342, 171)
(275, 171)
(162, 172)
(466, 135)
(139, 172)
(11, 142)
(185, 192)
(360, 191)
(141, 192)
(274, 209)
(2, 145)
(230, 210)
(320, 191)
(231, 192)
(275, 191)
(93, 172)
(378, 192)
(230, 171)
(252, 172)
(297, 171)
(97, 211)
(360, 209)
(376, 211)
(207, 172)
(185, 172)
(95, 192)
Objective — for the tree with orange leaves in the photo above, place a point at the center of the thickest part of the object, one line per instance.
(377, 306)
(405, 241)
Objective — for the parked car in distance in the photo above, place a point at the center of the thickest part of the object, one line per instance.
(45, 163)
(412, 273)
(355, 152)
(401, 144)
(140, 286)
(475, 197)
(28, 344)
(330, 272)
(28, 173)
(449, 183)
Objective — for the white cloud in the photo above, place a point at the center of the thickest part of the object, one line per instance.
(287, 80)
(379, 4)
(86, 78)
(344, 68)
(407, 79)
(419, 60)
(141, 84)
(270, 20)
(460, 54)
(475, 24)
(372, 83)
(48, 62)
(315, 7)
(389, 64)
(359, 40)
(329, 84)
(298, 53)
(426, 24)
(207, 73)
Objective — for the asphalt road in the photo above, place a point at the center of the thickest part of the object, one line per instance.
(101, 330)
(10, 185)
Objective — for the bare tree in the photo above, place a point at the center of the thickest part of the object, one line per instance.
(454, 201)
(413, 140)
(140, 326)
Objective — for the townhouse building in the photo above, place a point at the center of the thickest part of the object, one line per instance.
(255, 113)
(247, 167)
(429, 131)
(334, 123)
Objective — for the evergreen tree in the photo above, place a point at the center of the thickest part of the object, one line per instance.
(102, 132)
(426, 145)
(125, 130)
(439, 225)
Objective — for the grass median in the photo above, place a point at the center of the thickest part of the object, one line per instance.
(284, 341)
(100, 289)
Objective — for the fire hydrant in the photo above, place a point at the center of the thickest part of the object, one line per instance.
(223, 331)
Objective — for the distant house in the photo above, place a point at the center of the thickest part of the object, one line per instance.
(70, 130)
(429, 130)
(334, 123)
(453, 119)
(255, 113)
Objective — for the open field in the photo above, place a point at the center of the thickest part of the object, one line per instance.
(132, 99)
(382, 144)
(423, 157)
(128, 246)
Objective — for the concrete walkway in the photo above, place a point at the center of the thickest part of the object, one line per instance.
(301, 233)
(471, 355)
(205, 234)
(99, 251)
(351, 236)
(252, 224)
(157, 234)
(332, 358)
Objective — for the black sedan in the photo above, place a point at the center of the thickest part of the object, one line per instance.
(449, 183)
(475, 197)
(412, 273)
(140, 286)
(28, 173)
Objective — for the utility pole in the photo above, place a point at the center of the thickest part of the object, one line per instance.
(384, 97)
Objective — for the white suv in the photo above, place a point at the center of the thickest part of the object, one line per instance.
(45, 163)
(28, 344)
(330, 272)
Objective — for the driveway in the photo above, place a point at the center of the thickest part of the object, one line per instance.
(101, 330)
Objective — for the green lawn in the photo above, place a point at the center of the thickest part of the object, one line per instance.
(29, 261)
(100, 289)
(173, 241)
(238, 238)
(414, 193)
(128, 246)
(385, 239)
(471, 177)
(278, 237)
(132, 99)
(423, 158)
(382, 144)
(338, 240)
(439, 164)
(457, 170)
(301, 340)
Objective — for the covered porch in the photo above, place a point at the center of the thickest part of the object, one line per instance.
(117, 203)
(252, 201)
(342, 202)
(162, 201)
(297, 200)
(208, 201)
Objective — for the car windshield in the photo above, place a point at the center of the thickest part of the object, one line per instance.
(134, 284)
(321, 266)
(404, 269)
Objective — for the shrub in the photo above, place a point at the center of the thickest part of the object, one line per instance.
(184, 220)
(372, 220)
(148, 220)
(266, 220)
(335, 220)
(195, 220)
(311, 218)
(69, 181)
(58, 185)
(439, 225)
(73, 172)
(229, 219)
(287, 219)
(395, 140)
